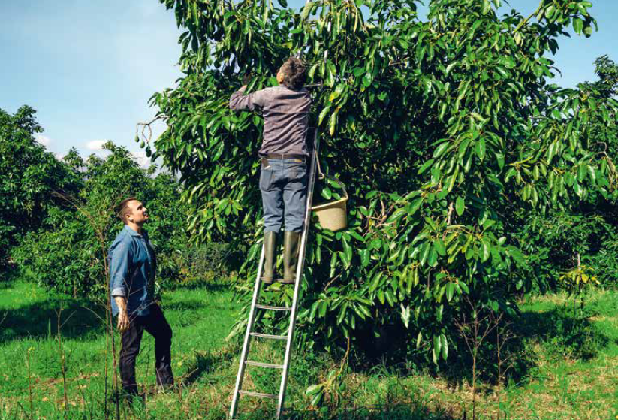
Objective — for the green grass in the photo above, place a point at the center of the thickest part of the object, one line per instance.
(572, 370)
(201, 320)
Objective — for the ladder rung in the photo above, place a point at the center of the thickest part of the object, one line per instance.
(264, 365)
(258, 394)
(273, 308)
(271, 336)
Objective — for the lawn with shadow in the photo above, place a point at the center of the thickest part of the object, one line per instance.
(572, 369)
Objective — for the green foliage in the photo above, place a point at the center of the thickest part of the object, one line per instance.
(552, 239)
(577, 281)
(67, 258)
(442, 131)
(67, 253)
(28, 175)
(210, 263)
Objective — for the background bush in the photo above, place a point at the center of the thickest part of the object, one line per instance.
(66, 253)
(552, 238)
(28, 176)
(197, 265)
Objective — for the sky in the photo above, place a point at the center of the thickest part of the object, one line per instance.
(89, 66)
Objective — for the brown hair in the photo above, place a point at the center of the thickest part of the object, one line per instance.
(123, 209)
(294, 73)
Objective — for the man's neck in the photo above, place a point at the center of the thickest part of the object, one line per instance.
(135, 227)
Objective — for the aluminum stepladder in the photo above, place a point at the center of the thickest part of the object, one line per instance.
(255, 305)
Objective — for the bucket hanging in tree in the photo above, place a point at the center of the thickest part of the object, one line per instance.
(333, 215)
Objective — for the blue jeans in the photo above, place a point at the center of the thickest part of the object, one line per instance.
(283, 183)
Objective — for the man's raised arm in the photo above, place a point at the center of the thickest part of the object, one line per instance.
(241, 102)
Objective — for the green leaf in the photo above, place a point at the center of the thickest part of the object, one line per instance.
(364, 255)
(436, 348)
(425, 166)
(486, 250)
(432, 260)
(582, 171)
(323, 114)
(415, 205)
(578, 25)
(444, 346)
(306, 10)
(425, 249)
(464, 287)
(332, 123)
(313, 389)
(327, 193)
(441, 149)
(450, 290)
(460, 206)
(367, 80)
(322, 307)
(486, 6)
(347, 254)
(480, 148)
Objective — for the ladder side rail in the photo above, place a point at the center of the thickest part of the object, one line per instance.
(245, 349)
(299, 272)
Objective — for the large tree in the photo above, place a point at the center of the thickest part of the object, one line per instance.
(441, 129)
(28, 176)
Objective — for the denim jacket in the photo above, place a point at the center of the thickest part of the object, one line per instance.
(132, 271)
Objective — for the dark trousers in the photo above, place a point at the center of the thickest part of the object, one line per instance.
(157, 326)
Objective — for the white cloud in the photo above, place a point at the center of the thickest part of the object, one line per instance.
(141, 158)
(43, 140)
(95, 144)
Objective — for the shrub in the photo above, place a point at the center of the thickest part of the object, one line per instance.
(195, 265)
(28, 175)
(68, 252)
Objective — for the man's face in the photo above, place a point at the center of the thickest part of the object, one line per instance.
(137, 212)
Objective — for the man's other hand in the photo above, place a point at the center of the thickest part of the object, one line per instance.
(123, 313)
(123, 321)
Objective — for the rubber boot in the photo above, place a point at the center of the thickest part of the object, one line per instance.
(270, 243)
(291, 241)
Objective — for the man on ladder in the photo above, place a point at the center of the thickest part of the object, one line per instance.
(284, 151)
(287, 191)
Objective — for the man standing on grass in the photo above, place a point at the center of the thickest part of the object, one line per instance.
(283, 155)
(132, 280)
